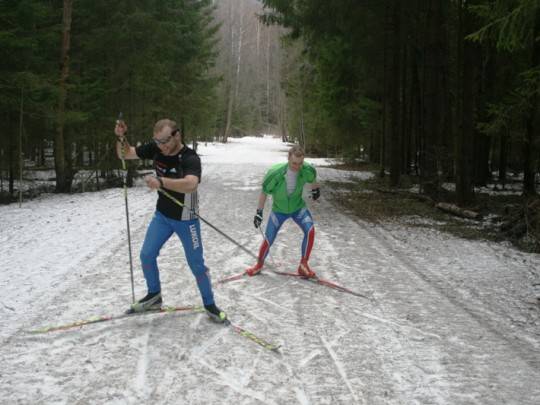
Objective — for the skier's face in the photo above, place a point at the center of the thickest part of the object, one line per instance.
(295, 162)
(167, 140)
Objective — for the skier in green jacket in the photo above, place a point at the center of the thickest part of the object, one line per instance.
(285, 183)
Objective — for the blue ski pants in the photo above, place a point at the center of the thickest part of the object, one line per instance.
(159, 231)
(302, 218)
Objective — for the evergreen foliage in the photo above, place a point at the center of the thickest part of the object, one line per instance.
(147, 58)
(334, 77)
(445, 90)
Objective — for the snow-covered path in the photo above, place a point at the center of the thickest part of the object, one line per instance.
(448, 321)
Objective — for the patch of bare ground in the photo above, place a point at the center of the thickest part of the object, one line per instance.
(500, 216)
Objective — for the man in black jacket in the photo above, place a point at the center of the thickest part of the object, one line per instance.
(178, 171)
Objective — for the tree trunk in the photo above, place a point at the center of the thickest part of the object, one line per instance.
(1, 171)
(447, 140)
(239, 52)
(406, 106)
(487, 92)
(20, 150)
(533, 122)
(416, 111)
(482, 146)
(228, 121)
(63, 182)
(11, 158)
(229, 88)
(302, 133)
(460, 212)
(268, 76)
(503, 157)
(395, 110)
(433, 95)
(282, 117)
(387, 89)
(464, 181)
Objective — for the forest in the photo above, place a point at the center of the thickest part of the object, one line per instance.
(431, 90)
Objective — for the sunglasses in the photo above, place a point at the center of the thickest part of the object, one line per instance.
(166, 140)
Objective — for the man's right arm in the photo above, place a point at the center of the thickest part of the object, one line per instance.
(123, 149)
(129, 151)
(262, 201)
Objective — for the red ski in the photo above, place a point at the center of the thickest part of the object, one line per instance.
(231, 278)
(321, 281)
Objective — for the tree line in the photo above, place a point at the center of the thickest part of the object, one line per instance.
(446, 90)
(250, 95)
(69, 67)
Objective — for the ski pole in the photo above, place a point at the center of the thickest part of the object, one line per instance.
(165, 193)
(124, 181)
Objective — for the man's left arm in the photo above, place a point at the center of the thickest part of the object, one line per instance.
(187, 184)
(191, 168)
(315, 191)
(312, 179)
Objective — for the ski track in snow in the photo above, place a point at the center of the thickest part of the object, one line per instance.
(139, 384)
(341, 370)
(449, 321)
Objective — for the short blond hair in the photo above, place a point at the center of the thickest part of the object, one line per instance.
(297, 151)
(165, 123)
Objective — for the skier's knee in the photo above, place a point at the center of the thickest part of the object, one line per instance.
(200, 272)
(147, 257)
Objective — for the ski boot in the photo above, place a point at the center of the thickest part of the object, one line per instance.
(254, 270)
(216, 314)
(305, 271)
(152, 302)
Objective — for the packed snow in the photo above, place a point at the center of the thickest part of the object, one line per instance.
(443, 321)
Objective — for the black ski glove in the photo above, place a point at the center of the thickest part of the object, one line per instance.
(315, 193)
(257, 220)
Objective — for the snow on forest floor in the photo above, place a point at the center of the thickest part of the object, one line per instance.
(446, 321)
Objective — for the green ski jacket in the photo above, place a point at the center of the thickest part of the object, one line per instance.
(275, 184)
